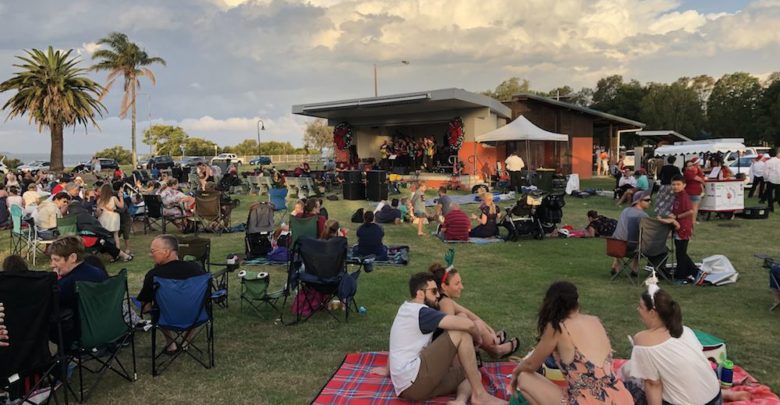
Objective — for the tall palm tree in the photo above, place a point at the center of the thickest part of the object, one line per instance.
(54, 93)
(126, 59)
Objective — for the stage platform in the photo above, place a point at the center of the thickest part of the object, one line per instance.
(435, 180)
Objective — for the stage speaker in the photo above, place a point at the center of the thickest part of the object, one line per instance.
(376, 176)
(353, 176)
(354, 191)
(376, 192)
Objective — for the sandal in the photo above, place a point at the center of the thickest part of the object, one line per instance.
(170, 352)
(515, 345)
(129, 258)
(501, 335)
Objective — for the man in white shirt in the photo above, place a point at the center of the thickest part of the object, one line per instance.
(422, 368)
(772, 179)
(514, 164)
(757, 170)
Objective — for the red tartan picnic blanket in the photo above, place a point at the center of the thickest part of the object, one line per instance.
(354, 384)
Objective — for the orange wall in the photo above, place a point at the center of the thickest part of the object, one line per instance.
(581, 159)
(485, 159)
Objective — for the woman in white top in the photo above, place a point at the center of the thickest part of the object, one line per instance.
(668, 357)
(14, 198)
(11, 180)
(107, 204)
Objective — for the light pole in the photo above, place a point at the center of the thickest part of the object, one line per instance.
(376, 87)
(260, 126)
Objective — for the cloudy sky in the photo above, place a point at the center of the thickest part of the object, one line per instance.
(232, 62)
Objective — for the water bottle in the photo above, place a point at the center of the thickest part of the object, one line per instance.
(362, 310)
(726, 373)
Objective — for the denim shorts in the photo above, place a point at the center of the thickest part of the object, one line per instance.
(694, 198)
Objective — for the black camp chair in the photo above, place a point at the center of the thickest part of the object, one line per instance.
(31, 304)
(199, 249)
(319, 270)
(153, 213)
(105, 330)
(208, 214)
(657, 246)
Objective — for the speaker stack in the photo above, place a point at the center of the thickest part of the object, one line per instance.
(376, 187)
(354, 188)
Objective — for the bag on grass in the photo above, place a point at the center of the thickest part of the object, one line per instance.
(257, 245)
(357, 217)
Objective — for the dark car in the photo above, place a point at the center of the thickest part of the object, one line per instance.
(108, 164)
(160, 162)
(261, 161)
(191, 161)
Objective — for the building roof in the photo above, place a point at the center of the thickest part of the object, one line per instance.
(388, 109)
(667, 134)
(584, 110)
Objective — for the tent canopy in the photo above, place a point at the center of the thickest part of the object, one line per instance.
(521, 130)
(707, 146)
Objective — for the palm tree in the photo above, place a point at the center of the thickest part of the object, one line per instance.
(54, 93)
(125, 58)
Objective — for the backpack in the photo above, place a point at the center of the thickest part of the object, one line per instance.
(357, 217)
(257, 245)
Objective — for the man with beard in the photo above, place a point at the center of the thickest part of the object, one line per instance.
(422, 368)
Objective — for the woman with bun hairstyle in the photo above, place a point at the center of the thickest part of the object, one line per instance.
(450, 288)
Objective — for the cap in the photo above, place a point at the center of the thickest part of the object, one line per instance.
(638, 196)
(695, 160)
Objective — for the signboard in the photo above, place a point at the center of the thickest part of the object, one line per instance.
(725, 195)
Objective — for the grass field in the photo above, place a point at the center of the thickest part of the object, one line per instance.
(260, 361)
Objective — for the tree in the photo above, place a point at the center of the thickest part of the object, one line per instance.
(613, 96)
(55, 94)
(199, 147)
(125, 58)
(567, 94)
(165, 139)
(675, 106)
(702, 85)
(318, 134)
(118, 153)
(508, 88)
(731, 108)
(768, 122)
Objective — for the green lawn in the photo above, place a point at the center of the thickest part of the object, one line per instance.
(261, 361)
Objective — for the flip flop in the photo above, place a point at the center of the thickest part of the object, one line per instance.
(515, 345)
(501, 335)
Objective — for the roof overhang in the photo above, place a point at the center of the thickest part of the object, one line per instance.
(724, 145)
(400, 109)
(663, 135)
(599, 116)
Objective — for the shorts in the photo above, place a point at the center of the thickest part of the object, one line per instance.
(125, 226)
(420, 214)
(437, 374)
(694, 198)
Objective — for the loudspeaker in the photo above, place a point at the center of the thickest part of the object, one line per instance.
(354, 191)
(353, 176)
(376, 176)
(376, 192)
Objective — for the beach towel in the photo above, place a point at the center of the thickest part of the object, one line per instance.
(396, 256)
(478, 241)
(354, 383)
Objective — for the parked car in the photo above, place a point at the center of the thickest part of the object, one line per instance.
(743, 166)
(160, 162)
(260, 161)
(225, 156)
(191, 161)
(82, 167)
(108, 164)
(35, 166)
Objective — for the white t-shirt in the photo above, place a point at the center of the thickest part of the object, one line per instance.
(514, 163)
(680, 365)
(630, 180)
(411, 332)
(772, 174)
(758, 168)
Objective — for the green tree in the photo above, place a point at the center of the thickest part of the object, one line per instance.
(613, 96)
(508, 88)
(702, 85)
(672, 106)
(126, 59)
(276, 148)
(245, 148)
(567, 94)
(55, 94)
(318, 134)
(199, 147)
(768, 122)
(731, 108)
(165, 139)
(118, 153)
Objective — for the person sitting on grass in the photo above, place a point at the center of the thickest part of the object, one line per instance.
(370, 236)
(667, 364)
(599, 225)
(389, 213)
(641, 183)
(14, 264)
(627, 229)
(332, 229)
(456, 226)
(164, 250)
(403, 206)
(490, 213)
(580, 346)
(450, 288)
(422, 368)
(443, 203)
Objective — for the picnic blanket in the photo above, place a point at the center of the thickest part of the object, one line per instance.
(262, 261)
(396, 256)
(353, 382)
(472, 198)
(478, 241)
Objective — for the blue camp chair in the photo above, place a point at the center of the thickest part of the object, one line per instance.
(183, 308)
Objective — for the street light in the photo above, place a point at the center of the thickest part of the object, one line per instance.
(260, 126)
(376, 89)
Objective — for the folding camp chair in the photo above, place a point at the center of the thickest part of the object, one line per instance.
(322, 277)
(208, 213)
(21, 232)
(28, 370)
(182, 309)
(104, 331)
(278, 197)
(153, 213)
(200, 250)
(302, 228)
(618, 249)
(654, 245)
(254, 292)
(67, 225)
